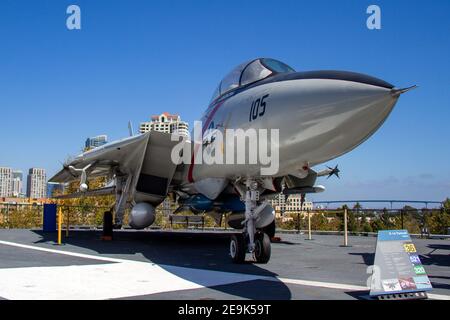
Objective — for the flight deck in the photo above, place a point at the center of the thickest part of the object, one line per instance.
(195, 265)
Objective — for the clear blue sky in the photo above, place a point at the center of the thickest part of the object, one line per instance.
(133, 59)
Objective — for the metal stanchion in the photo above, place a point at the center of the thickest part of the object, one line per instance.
(59, 225)
(67, 223)
(345, 228)
(401, 216)
(7, 214)
(309, 225)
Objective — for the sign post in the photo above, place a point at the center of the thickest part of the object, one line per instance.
(398, 272)
(309, 225)
(345, 228)
(59, 225)
(67, 223)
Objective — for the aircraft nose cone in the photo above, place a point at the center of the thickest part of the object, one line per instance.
(336, 115)
(359, 112)
(356, 115)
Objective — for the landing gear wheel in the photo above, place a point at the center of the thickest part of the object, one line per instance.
(262, 248)
(270, 229)
(237, 248)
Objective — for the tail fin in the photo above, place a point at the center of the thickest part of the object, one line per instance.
(130, 128)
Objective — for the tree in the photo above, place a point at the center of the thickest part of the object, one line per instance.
(351, 220)
(385, 219)
(357, 207)
(438, 221)
(318, 222)
(352, 225)
(366, 227)
(446, 205)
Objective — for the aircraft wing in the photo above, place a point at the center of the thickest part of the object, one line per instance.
(124, 155)
(145, 158)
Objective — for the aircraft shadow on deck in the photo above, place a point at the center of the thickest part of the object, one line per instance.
(368, 258)
(435, 259)
(180, 249)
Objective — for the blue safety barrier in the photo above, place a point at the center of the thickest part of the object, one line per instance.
(49, 223)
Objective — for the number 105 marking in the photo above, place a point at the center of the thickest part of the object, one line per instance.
(258, 108)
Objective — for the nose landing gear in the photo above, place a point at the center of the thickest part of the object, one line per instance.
(261, 253)
(251, 240)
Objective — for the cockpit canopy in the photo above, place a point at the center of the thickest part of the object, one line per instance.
(250, 72)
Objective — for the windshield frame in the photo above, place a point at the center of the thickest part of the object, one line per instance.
(218, 93)
(271, 72)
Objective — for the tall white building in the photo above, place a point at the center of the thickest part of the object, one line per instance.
(17, 183)
(36, 183)
(6, 177)
(166, 122)
(291, 205)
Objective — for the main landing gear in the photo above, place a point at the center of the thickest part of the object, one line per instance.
(251, 240)
(123, 184)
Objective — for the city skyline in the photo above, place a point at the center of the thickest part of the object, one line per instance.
(134, 69)
(12, 184)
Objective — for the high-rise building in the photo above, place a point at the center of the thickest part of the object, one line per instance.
(6, 177)
(17, 183)
(290, 205)
(54, 187)
(36, 183)
(165, 122)
(94, 142)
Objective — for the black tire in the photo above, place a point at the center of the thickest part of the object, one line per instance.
(270, 229)
(237, 248)
(262, 248)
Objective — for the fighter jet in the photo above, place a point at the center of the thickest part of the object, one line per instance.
(313, 117)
